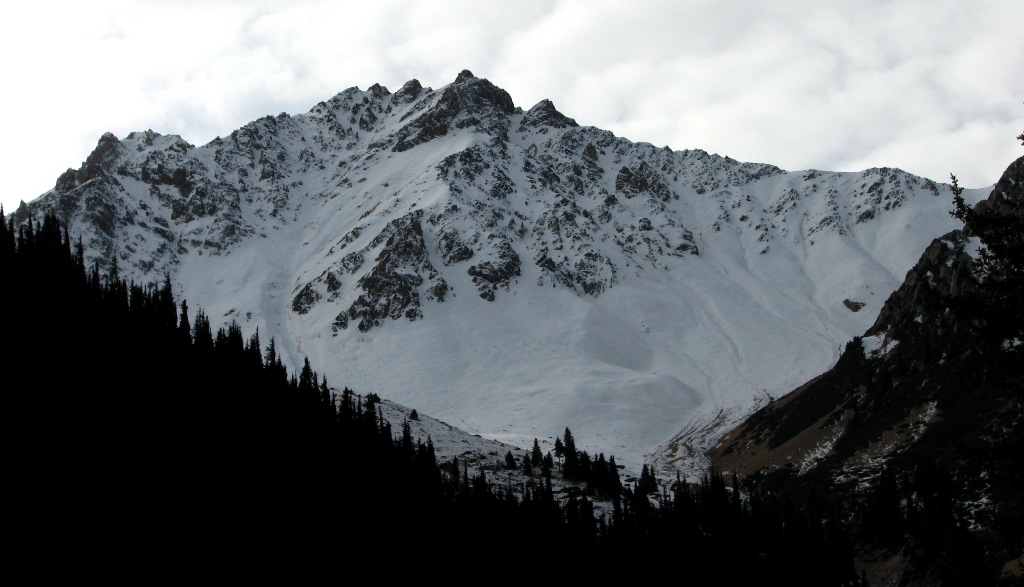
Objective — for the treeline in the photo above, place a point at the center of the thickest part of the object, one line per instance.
(135, 429)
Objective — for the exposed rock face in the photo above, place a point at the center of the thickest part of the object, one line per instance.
(392, 287)
(643, 180)
(491, 274)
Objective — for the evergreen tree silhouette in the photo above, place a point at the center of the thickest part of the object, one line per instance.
(536, 457)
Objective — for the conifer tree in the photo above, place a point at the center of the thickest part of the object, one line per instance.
(307, 381)
(454, 471)
(570, 467)
(584, 466)
(271, 358)
(184, 326)
(168, 314)
(559, 451)
(546, 465)
(326, 398)
(614, 483)
(202, 335)
(406, 442)
(274, 365)
(536, 457)
(254, 352)
(647, 482)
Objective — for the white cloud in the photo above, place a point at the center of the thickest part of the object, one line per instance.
(932, 87)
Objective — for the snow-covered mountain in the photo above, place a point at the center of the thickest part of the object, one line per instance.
(508, 271)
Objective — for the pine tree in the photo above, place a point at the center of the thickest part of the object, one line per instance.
(454, 472)
(168, 314)
(202, 335)
(406, 442)
(570, 466)
(307, 380)
(646, 484)
(254, 352)
(527, 467)
(584, 466)
(536, 457)
(184, 327)
(546, 465)
(613, 483)
(326, 398)
(274, 365)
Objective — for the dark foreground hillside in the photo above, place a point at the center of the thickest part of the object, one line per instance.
(138, 437)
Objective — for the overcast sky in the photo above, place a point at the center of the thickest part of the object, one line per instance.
(930, 86)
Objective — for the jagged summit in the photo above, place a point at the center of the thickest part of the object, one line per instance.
(509, 271)
(544, 114)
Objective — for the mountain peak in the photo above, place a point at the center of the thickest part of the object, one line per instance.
(101, 159)
(544, 113)
(470, 102)
(409, 91)
(466, 231)
(378, 91)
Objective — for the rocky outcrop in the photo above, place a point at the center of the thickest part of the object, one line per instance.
(498, 270)
(407, 93)
(392, 287)
(543, 115)
(470, 102)
(642, 180)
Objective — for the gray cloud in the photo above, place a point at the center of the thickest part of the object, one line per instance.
(932, 87)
